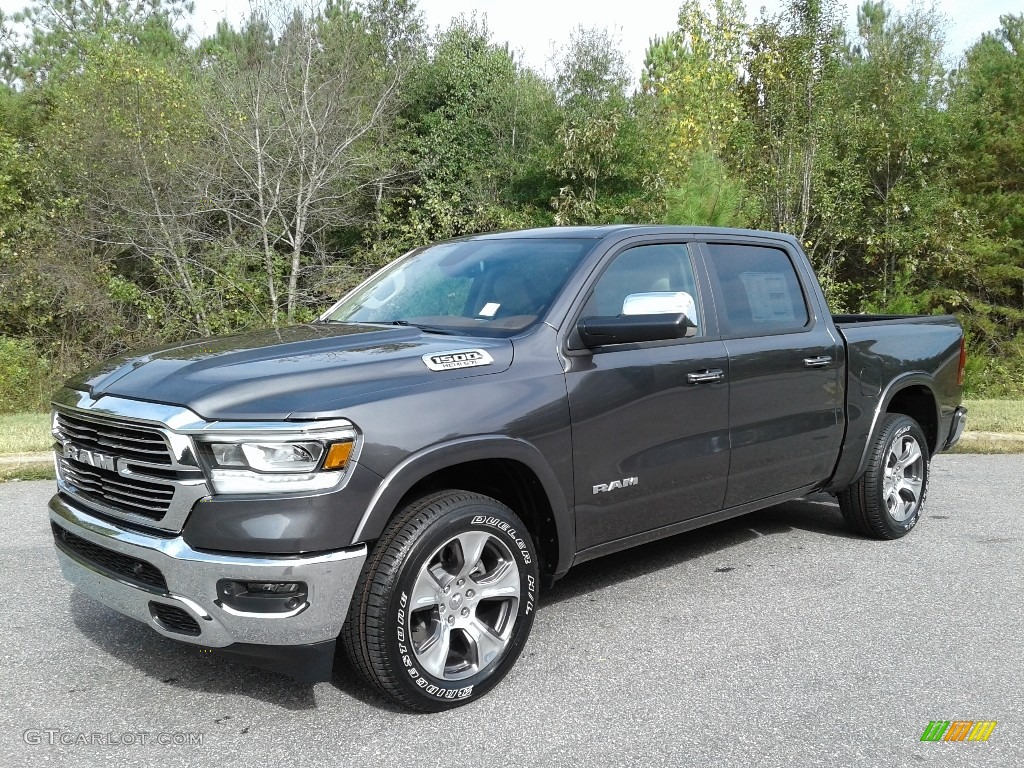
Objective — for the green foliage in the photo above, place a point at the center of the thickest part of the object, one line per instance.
(474, 122)
(707, 196)
(124, 132)
(694, 72)
(58, 33)
(607, 165)
(152, 189)
(987, 119)
(24, 377)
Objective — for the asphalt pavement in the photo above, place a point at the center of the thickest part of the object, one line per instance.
(775, 639)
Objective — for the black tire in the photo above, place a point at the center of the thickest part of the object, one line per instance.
(887, 500)
(467, 627)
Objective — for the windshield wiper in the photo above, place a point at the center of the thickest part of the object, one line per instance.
(424, 328)
(404, 323)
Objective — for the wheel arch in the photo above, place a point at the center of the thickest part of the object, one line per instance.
(918, 401)
(913, 395)
(510, 470)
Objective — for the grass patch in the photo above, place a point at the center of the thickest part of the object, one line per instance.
(988, 445)
(995, 415)
(25, 433)
(27, 472)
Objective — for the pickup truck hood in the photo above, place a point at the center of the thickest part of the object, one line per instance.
(296, 372)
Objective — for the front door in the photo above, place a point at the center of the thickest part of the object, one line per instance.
(649, 420)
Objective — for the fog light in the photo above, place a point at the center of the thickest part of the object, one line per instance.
(271, 587)
(263, 596)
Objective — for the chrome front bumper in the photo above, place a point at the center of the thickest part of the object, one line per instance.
(192, 577)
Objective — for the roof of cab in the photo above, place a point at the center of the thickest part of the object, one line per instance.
(605, 230)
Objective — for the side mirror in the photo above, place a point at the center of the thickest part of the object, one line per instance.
(661, 303)
(653, 316)
(626, 329)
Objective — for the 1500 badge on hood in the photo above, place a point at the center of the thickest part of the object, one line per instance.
(460, 358)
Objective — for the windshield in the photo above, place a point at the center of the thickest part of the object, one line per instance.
(476, 287)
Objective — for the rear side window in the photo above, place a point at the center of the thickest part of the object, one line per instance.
(758, 289)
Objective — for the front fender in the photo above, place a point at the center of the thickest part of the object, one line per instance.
(414, 468)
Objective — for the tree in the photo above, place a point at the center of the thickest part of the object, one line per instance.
(469, 132)
(694, 72)
(692, 75)
(58, 33)
(988, 103)
(606, 166)
(890, 130)
(792, 61)
(297, 123)
(125, 130)
(987, 110)
(706, 195)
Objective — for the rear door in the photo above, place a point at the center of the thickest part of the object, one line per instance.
(785, 393)
(650, 442)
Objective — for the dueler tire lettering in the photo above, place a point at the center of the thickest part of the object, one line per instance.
(887, 500)
(446, 601)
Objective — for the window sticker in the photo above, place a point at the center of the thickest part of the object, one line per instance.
(768, 295)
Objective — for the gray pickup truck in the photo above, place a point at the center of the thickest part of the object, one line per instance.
(406, 473)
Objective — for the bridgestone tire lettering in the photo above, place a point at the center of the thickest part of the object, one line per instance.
(863, 503)
(379, 635)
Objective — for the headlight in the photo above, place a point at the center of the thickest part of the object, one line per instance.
(269, 457)
(251, 464)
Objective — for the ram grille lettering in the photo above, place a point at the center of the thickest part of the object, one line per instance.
(92, 458)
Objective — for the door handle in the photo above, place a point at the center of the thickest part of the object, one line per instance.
(822, 361)
(705, 377)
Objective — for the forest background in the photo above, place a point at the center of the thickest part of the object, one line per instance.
(155, 186)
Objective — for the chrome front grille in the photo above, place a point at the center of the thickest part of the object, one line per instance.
(137, 471)
(122, 440)
(125, 493)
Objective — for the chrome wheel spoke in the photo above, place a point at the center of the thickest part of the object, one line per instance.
(911, 453)
(487, 646)
(433, 654)
(893, 502)
(472, 544)
(425, 590)
(503, 581)
(911, 487)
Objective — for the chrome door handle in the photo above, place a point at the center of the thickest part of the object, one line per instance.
(705, 377)
(823, 361)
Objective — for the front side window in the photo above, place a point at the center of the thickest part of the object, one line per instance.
(759, 290)
(477, 287)
(662, 268)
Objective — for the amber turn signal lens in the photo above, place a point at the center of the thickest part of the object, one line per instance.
(337, 455)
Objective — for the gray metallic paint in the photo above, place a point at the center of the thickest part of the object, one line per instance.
(416, 421)
(902, 352)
